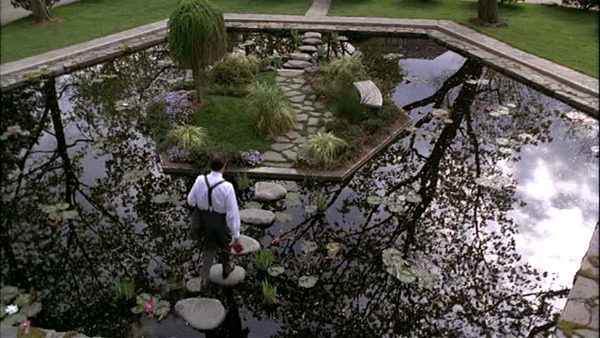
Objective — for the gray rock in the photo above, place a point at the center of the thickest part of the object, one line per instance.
(281, 139)
(194, 285)
(307, 49)
(299, 80)
(257, 216)
(295, 86)
(292, 93)
(289, 72)
(301, 118)
(292, 135)
(272, 156)
(281, 146)
(297, 99)
(300, 140)
(319, 105)
(8, 331)
(298, 127)
(311, 130)
(268, 191)
(313, 121)
(307, 88)
(249, 245)
(278, 165)
(235, 277)
(315, 35)
(290, 154)
(321, 130)
(201, 313)
(296, 64)
(312, 41)
(300, 56)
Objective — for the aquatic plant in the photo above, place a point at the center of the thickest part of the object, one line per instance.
(197, 37)
(407, 271)
(269, 293)
(242, 180)
(320, 200)
(264, 259)
(324, 148)
(16, 307)
(125, 289)
(274, 114)
(251, 157)
(191, 138)
(152, 306)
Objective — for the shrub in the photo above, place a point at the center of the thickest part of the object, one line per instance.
(348, 107)
(242, 180)
(192, 138)
(348, 70)
(269, 293)
(26, 4)
(324, 148)
(372, 125)
(346, 131)
(272, 108)
(235, 71)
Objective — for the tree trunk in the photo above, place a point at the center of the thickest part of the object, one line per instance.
(40, 10)
(487, 11)
(198, 72)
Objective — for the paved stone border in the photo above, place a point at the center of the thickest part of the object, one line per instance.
(574, 88)
(14, 332)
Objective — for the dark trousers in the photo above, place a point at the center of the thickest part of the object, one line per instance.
(217, 236)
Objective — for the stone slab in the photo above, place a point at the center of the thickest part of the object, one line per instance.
(301, 57)
(249, 245)
(312, 41)
(297, 64)
(268, 191)
(237, 275)
(258, 217)
(316, 35)
(201, 313)
(307, 49)
(370, 95)
(194, 285)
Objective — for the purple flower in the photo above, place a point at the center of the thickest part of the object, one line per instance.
(178, 154)
(179, 107)
(251, 157)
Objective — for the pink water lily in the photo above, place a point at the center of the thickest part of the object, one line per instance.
(25, 323)
(149, 307)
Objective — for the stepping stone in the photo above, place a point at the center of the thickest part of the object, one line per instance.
(311, 130)
(319, 105)
(297, 64)
(313, 121)
(295, 86)
(307, 49)
(281, 146)
(300, 140)
(201, 313)
(292, 135)
(278, 165)
(297, 99)
(268, 191)
(291, 93)
(312, 41)
(194, 284)
(299, 80)
(307, 88)
(281, 139)
(249, 245)
(290, 72)
(299, 127)
(272, 156)
(300, 56)
(258, 217)
(235, 277)
(300, 118)
(316, 35)
(292, 155)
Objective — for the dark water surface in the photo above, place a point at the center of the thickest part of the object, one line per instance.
(498, 204)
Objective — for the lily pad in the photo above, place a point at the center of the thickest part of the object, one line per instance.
(332, 249)
(413, 197)
(374, 200)
(283, 217)
(307, 281)
(292, 199)
(275, 270)
(439, 112)
(309, 209)
(8, 292)
(502, 141)
(595, 149)
(160, 199)
(448, 121)
(70, 214)
(505, 150)
(252, 205)
(309, 246)
(511, 105)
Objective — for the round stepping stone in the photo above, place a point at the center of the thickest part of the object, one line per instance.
(268, 191)
(201, 313)
(292, 155)
(297, 99)
(297, 64)
(292, 135)
(307, 49)
(282, 146)
(316, 35)
(312, 41)
(258, 217)
(313, 121)
(300, 56)
(272, 156)
(249, 245)
(300, 118)
(194, 284)
(292, 93)
(235, 277)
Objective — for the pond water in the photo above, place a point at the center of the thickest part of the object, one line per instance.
(494, 190)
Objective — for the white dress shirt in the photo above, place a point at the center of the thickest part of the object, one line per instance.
(223, 199)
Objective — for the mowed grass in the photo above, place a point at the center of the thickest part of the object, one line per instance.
(230, 126)
(89, 19)
(566, 36)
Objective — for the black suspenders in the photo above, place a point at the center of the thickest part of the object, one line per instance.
(210, 189)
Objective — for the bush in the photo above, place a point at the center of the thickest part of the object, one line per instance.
(348, 107)
(348, 132)
(583, 4)
(235, 71)
(191, 138)
(272, 108)
(372, 125)
(324, 148)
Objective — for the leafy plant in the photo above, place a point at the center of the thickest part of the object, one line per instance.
(235, 72)
(324, 148)
(16, 306)
(269, 293)
(344, 71)
(349, 108)
(274, 114)
(264, 259)
(192, 138)
(320, 200)
(152, 306)
(407, 271)
(242, 180)
(251, 157)
(296, 37)
(197, 37)
(125, 289)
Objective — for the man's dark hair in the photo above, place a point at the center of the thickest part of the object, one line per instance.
(218, 161)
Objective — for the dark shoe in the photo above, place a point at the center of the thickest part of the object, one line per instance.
(227, 268)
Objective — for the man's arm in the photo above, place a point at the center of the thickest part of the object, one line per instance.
(233, 212)
(192, 196)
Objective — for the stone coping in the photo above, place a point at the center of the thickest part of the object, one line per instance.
(576, 89)
(291, 174)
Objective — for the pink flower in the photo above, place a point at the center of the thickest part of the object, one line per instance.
(25, 323)
(275, 241)
(149, 307)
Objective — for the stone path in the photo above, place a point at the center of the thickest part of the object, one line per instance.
(319, 8)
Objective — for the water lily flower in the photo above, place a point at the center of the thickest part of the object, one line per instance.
(25, 323)
(275, 241)
(11, 309)
(149, 307)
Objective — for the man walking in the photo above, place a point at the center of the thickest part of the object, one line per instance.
(218, 216)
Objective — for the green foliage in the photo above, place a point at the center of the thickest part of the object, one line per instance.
(297, 37)
(264, 259)
(324, 148)
(274, 114)
(125, 289)
(153, 306)
(233, 73)
(269, 293)
(373, 125)
(242, 180)
(26, 4)
(320, 200)
(156, 124)
(349, 108)
(197, 33)
(192, 138)
(17, 306)
(344, 71)
(348, 132)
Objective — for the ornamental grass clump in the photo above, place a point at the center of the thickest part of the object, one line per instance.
(324, 149)
(191, 138)
(264, 259)
(274, 114)
(269, 293)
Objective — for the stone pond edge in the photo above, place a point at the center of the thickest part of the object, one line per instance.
(574, 88)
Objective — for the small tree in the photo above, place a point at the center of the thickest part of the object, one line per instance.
(39, 8)
(197, 38)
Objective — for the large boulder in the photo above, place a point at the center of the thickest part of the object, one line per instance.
(201, 313)
(257, 217)
(249, 245)
(268, 191)
(234, 278)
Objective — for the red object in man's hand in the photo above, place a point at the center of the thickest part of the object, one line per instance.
(237, 246)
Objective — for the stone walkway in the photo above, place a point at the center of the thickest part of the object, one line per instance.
(319, 8)
(311, 117)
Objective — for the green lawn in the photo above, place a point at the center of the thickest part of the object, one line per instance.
(229, 125)
(91, 19)
(563, 35)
